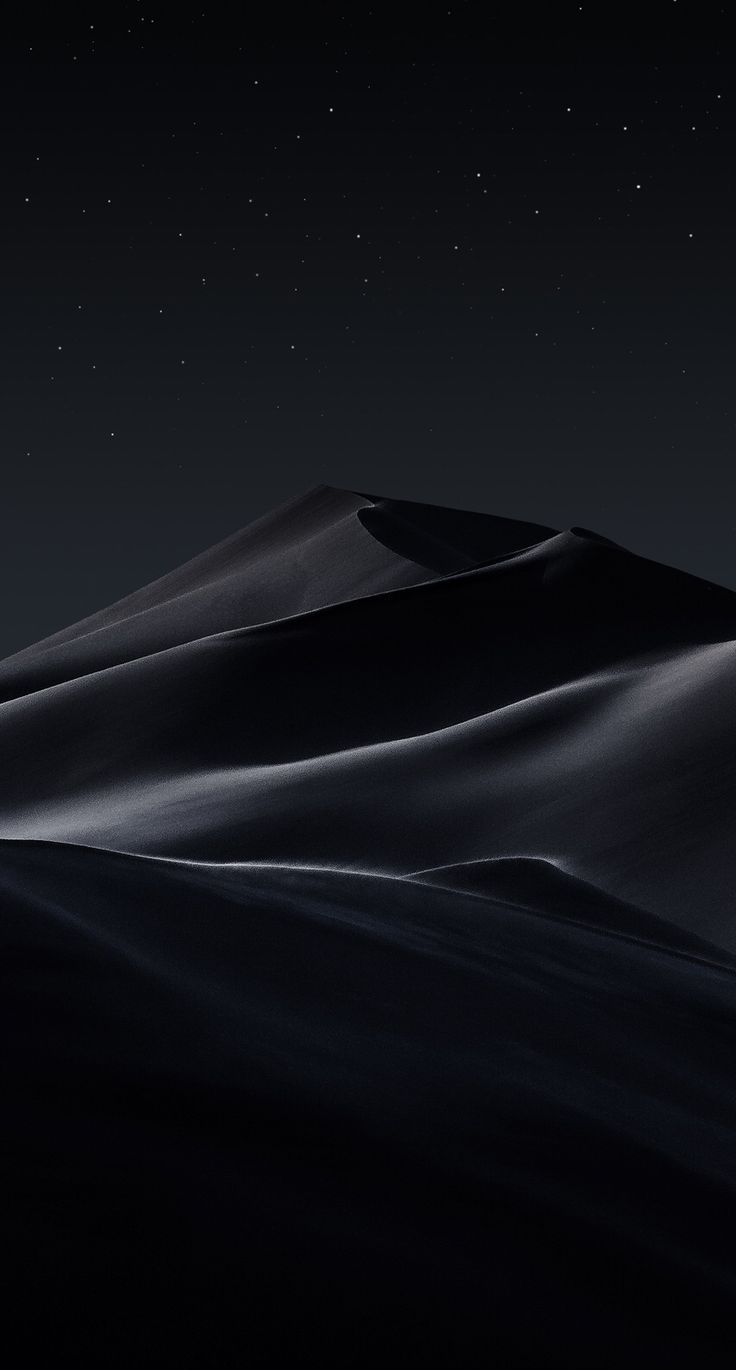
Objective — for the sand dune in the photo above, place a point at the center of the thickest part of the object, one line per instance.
(367, 892)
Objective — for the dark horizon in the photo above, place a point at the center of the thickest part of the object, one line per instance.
(235, 271)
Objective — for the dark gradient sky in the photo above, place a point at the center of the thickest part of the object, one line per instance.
(434, 268)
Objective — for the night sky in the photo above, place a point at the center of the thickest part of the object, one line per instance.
(437, 268)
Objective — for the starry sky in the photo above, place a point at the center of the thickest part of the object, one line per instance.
(438, 268)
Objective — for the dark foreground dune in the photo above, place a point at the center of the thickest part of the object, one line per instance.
(370, 955)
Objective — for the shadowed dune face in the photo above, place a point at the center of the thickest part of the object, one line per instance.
(367, 903)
